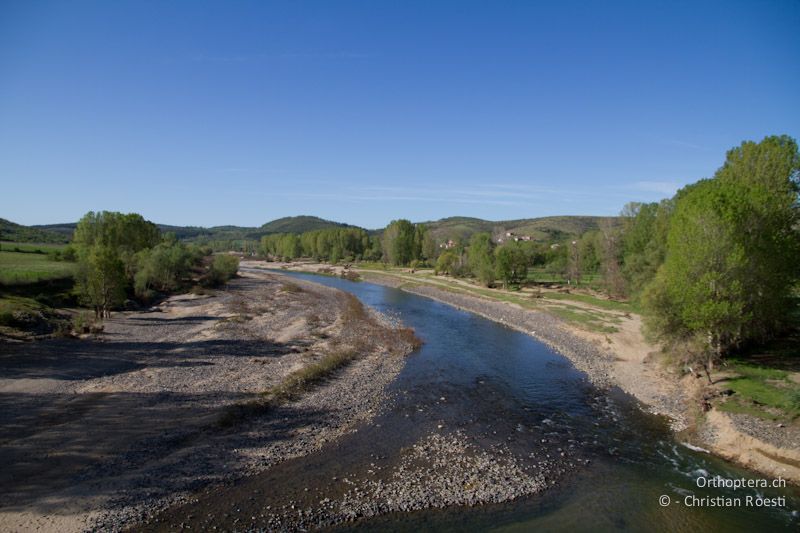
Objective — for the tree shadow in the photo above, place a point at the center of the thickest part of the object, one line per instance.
(69, 359)
(63, 450)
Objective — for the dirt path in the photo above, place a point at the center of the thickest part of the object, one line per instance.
(104, 432)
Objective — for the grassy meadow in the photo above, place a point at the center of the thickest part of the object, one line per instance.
(26, 267)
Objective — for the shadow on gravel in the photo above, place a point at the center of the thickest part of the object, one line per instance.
(173, 321)
(140, 445)
(69, 359)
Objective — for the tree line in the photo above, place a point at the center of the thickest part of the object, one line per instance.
(331, 244)
(122, 256)
(403, 243)
(713, 268)
(721, 266)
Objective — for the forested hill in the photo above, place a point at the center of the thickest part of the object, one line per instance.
(539, 229)
(10, 231)
(298, 224)
(457, 228)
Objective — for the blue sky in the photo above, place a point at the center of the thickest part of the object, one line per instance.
(208, 113)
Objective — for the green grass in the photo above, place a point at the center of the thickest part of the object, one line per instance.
(18, 268)
(12, 306)
(585, 319)
(762, 391)
(375, 265)
(540, 275)
(749, 370)
(736, 406)
(38, 248)
(611, 305)
(302, 380)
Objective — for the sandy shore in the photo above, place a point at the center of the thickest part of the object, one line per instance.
(103, 433)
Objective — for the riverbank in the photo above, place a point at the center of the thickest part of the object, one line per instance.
(106, 432)
(620, 356)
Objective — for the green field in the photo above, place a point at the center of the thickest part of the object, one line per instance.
(541, 275)
(37, 248)
(17, 268)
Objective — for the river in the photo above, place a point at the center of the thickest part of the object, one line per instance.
(500, 385)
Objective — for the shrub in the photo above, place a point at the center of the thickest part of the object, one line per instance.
(223, 268)
(161, 268)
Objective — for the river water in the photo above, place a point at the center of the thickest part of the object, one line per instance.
(500, 385)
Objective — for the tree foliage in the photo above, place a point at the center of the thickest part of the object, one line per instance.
(480, 258)
(402, 242)
(119, 252)
(644, 242)
(223, 268)
(732, 252)
(102, 279)
(332, 244)
(446, 263)
(511, 264)
(163, 267)
(118, 231)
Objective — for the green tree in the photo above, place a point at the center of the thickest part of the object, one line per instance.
(766, 177)
(223, 268)
(589, 252)
(430, 250)
(445, 263)
(644, 242)
(556, 260)
(611, 258)
(698, 294)
(162, 268)
(401, 242)
(117, 231)
(480, 257)
(511, 264)
(101, 280)
(732, 251)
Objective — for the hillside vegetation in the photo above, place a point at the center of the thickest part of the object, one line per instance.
(201, 235)
(10, 231)
(236, 237)
(299, 224)
(539, 229)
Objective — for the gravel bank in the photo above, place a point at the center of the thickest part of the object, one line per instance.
(441, 470)
(106, 432)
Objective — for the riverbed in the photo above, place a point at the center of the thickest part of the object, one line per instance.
(484, 414)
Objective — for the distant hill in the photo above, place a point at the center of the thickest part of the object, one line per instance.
(457, 228)
(300, 224)
(11, 231)
(66, 229)
(539, 229)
